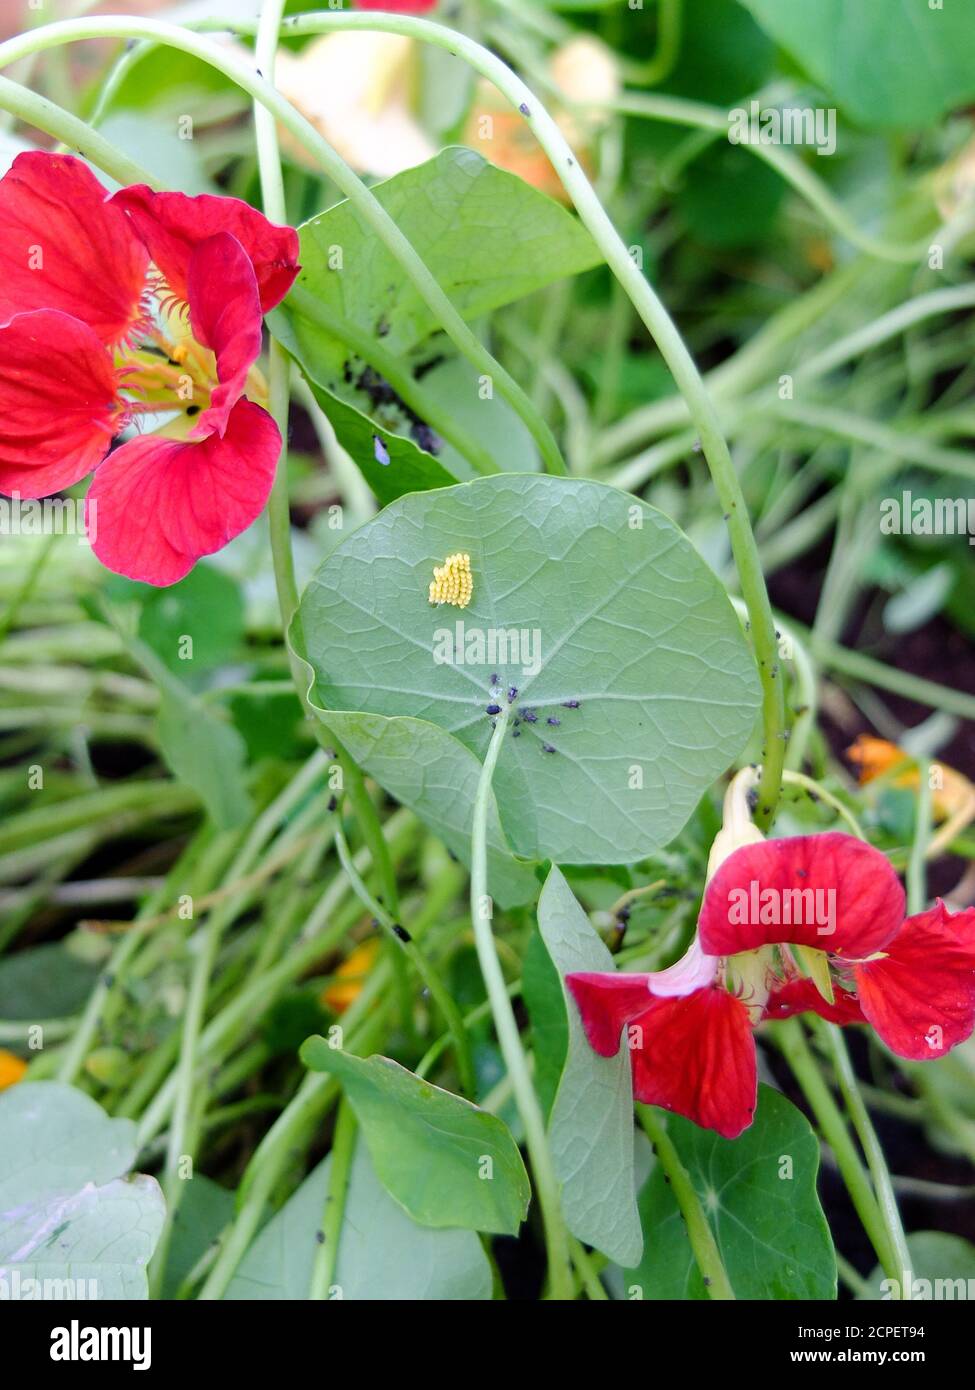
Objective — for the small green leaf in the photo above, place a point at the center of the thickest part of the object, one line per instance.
(206, 607)
(206, 753)
(759, 1194)
(591, 1126)
(390, 463)
(68, 1209)
(635, 687)
(46, 981)
(541, 989)
(384, 1256)
(488, 237)
(205, 1209)
(444, 1160)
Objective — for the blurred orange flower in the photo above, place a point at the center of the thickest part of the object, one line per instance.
(952, 794)
(351, 976)
(12, 1069)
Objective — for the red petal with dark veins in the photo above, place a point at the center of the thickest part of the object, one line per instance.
(64, 246)
(606, 1002)
(802, 996)
(225, 314)
(58, 402)
(920, 995)
(696, 1056)
(160, 504)
(173, 224)
(832, 892)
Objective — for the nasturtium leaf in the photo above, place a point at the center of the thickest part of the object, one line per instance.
(890, 64)
(436, 777)
(591, 1124)
(942, 1267)
(47, 981)
(447, 1162)
(390, 463)
(635, 687)
(541, 989)
(488, 237)
(206, 607)
(68, 1209)
(204, 1210)
(206, 753)
(384, 1256)
(759, 1195)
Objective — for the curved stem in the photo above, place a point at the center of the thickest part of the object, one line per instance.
(789, 1036)
(833, 1039)
(706, 1253)
(917, 878)
(37, 111)
(343, 1151)
(820, 793)
(561, 1282)
(428, 974)
(680, 111)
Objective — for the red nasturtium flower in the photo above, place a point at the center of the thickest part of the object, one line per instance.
(786, 926)
(114, 307)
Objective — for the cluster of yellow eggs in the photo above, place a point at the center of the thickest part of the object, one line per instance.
(452, 581)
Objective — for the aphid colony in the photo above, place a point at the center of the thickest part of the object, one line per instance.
(524, 714)
(452, 581)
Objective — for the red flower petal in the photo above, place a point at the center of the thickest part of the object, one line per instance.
(696, 1055)
(801, 996)
(225, 313)
(172, 224)
(63, 246)
(161, 503)
(920, 996)
(832, 892)
(58, 402)
(606, 1002)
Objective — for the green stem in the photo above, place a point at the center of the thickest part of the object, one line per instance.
(791, 1039)
(45, 115)
(427, 973)
(327, 1254)
(820, 793)
(699, 1233)
(680, 111)
(546, 1183)
(832, 1039)
(917, 876)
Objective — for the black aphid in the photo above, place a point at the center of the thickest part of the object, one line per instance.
(494, 709)
(512, 693)
(570, 704)
(529, 716)
(547, 748)
(553, 721)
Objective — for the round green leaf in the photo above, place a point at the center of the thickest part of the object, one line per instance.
(759, 1194)
(447, 1162)
(630, 664)
(69, 1212)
